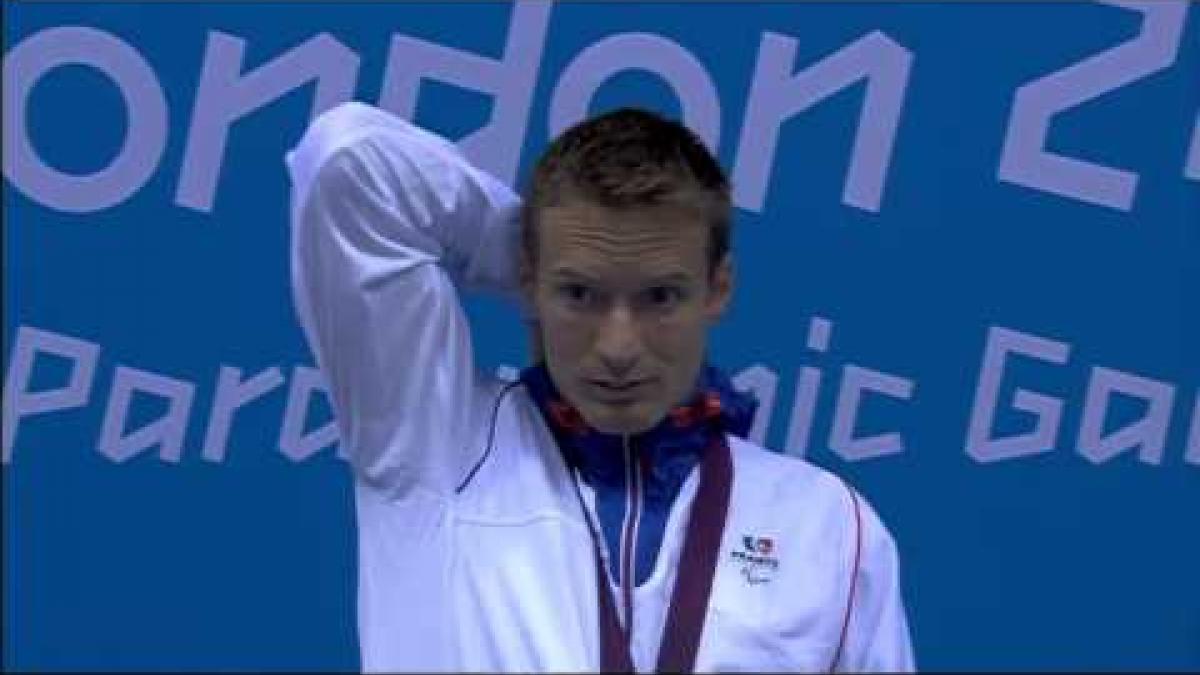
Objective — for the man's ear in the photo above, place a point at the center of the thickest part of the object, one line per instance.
(527, 278)
(720, 289)
(526, 281)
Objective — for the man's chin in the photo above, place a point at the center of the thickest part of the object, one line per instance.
(619, 422)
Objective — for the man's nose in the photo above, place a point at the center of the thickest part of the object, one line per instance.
(619, 342)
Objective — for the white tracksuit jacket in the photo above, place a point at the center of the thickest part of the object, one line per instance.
(387, 220)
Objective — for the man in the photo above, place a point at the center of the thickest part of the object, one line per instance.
(603, 511)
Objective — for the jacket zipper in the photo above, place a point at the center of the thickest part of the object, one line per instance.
(633, 479)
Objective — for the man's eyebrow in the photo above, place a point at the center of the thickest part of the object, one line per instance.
(679, 278)
(569, 273)
(672, 278)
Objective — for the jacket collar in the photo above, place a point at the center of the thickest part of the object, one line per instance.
(669, 449)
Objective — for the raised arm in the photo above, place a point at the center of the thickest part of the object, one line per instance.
(386, 219)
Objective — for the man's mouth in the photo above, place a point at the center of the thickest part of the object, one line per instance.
(618, 390)
(617, 386)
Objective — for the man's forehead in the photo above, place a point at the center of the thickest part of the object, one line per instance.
(654, 231)
(603, 255)
(580, 213)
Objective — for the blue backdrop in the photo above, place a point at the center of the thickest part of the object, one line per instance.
(990, 210)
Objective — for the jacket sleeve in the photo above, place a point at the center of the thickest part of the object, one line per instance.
(876, 636)
(386, 219)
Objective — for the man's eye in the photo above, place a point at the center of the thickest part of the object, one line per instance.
(663, 296)
(576, 293)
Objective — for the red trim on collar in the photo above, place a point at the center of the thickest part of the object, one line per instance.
(708, 407)
(567, 417)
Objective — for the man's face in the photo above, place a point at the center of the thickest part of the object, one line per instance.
(624, 300)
